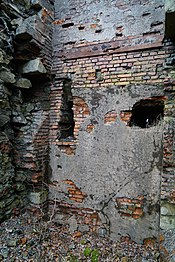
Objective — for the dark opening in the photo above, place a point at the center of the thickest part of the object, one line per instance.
(81, 27)
(145, 14)
(169, 25)
(118, 34)
(147, 113)
(70, 43)
(98, 75)
(98, 31)
(66, 123)
(67, 25)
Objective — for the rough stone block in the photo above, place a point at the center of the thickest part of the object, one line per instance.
(4, 58)
(4, 118)
(32, 27)
(73, 224)
(19, 119)
(37, 198)
(34, 67)
(7, 76)
(23, 83)
(169, 6)
(168, 209)
(167, 222)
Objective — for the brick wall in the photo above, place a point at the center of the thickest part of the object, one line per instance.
(113, 72)
(117, 69)
(146, 66)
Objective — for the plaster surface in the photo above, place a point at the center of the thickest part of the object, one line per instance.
(114, 161)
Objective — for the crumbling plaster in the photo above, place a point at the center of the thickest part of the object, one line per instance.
(114, 161)
(107, 20)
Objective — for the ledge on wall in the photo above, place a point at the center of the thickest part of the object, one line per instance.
(34, 66)
(35, 71)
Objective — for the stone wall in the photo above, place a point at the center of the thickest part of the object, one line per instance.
(167, 224)
(25, 62)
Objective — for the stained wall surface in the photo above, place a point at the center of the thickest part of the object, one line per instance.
(106, 174)
(89, 21)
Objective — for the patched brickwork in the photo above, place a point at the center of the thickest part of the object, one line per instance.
(81, 112)
(130, 208)
(125, 116)
(75, 193)
(90, 128)
(110, 117)
(87, 219)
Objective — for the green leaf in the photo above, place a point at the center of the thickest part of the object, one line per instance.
(95, 255)
(87, 252)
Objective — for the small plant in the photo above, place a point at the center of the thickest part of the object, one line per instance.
(93, 254)
(87, 252)
(73, 258)
(83, 242)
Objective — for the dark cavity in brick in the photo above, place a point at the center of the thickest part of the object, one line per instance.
(67, 25)
(66, 123)
(147, 113)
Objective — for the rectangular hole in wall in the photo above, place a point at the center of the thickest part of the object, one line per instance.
(66, 123)
(67, 25)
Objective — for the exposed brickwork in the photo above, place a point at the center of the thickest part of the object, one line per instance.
(117, 69)
(90, 128)
(145, 67)
(110, 117)
(84, 216)
(168, 176)
(81, 112)
(130, 208)
(75, 193)
(125, 116)
(115, 62)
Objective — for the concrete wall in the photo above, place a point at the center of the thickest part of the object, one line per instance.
(82, 21)
(117, 167)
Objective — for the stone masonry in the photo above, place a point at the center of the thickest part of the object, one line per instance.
(25, 63)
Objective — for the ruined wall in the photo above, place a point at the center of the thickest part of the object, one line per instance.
(25, 61)
(167, 224)
(110, 62)
(80, 22)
